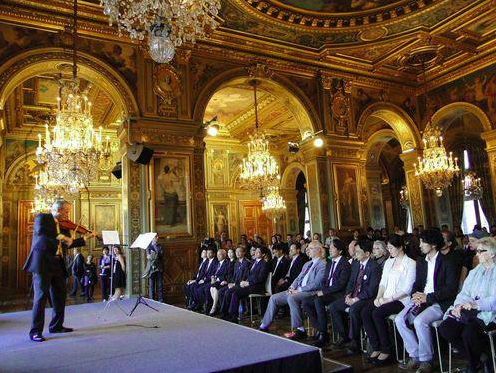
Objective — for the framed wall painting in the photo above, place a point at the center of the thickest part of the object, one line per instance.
(220, 219)
(170, 182)
(348, 202)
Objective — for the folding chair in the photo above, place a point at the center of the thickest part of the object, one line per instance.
(392, 318)
(435, 325)
(268, 293)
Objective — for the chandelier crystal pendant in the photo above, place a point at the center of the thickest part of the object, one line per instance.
(46, 191)
(404, 197)
(472, 188)
(72, 150)
(169, 23)
(273, 205)
(436, 169)
(260, 170)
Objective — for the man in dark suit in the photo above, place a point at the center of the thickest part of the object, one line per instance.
(336, 277)
(255, 284)
(219, 277)
(154, 270)
(280, 265)
(200, 273)
(46, 263)
(362, 287)
(241, 271)
(434, 290)
(198, 287)
(295, 265)
(77, 271)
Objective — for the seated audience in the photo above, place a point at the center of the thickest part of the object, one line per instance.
(474, 310)
(361, 288)
(217, 280)
(394, 292)
(380, 253)
(198, 287)
(434, 290)
(304, 286)
(336, 277)
(280, 265)
(255, 284)
(241, 268)
(200, 273)
(295, 266)
(332, 236)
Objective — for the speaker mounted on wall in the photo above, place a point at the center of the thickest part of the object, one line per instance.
(117, 170)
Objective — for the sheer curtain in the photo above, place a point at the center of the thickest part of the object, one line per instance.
(480, 164)
(455, 192)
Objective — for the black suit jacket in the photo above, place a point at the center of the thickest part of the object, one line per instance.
(257, 276)
(210, 271)
(446, 280)
(230, 270)
(200, 273)
(340, 277)
(222, 271)
(78, 266)
(281, 270)
(296, 268)
(241, 271)
(370, 281)
(44, 245)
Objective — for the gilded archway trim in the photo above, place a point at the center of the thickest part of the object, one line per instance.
(291, 172)
(16, 166)
(462, 108)
(381, 136)
(296, 101)
(40, 60)
(402, 124)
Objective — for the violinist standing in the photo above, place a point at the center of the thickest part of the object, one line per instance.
(46, 262)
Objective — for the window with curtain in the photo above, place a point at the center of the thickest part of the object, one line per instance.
(472, 209)
(307, 215)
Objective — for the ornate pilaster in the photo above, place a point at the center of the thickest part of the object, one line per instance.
(490, 138)
(415, 189)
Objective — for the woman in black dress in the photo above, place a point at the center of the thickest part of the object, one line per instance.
(119, 279)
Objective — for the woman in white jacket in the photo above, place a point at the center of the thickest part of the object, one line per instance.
(395, 287)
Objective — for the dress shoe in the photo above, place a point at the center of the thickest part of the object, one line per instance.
(425, 367)
(382, 362)
(62, 329)
(265, 330)
(323, 341)
(370, 359)
(37, 337)
(411, 364)
(341, 342)
(296, 335)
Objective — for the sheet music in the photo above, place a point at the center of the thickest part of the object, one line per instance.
(110, 238)
(144, 240)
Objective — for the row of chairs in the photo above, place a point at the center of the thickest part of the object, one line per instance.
(435, 325)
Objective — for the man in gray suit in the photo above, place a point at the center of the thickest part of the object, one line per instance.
(304, 286)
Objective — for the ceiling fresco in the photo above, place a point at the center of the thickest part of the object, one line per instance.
(336, 6)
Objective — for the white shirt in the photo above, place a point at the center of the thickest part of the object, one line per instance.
(398, 280)
(336, 262)
(209, 262)
(431, 264)
(292, 261)
(277, 264)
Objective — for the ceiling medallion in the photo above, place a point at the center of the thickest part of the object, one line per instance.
(420, 58)
(331, 14)
(372, 34)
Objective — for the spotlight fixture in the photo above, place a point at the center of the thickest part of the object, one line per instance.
(318, 142)
(293, 147)
(212, 127)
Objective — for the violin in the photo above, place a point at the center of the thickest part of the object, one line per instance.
(69, 225)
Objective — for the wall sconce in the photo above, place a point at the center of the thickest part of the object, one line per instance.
(404, 198)
(212, 126)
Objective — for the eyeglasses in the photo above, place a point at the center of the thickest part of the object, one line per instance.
(480, 251)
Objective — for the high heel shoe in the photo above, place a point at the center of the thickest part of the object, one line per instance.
(370, 359)
(385, 361)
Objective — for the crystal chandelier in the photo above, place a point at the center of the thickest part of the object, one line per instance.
(404, 198)
(436, 169)
(273, 204)
(260, 169)
(472, 189)
(47, 190)
(169, 23)
(72, 150)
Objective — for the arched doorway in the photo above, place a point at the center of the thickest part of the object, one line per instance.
(389, 134)
(284, 116)
(28, 98)
(463, 125)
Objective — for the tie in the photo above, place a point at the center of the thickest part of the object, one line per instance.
(59, 252)
(358, 282)
(331, 272)
(277, 265)
(305, 273)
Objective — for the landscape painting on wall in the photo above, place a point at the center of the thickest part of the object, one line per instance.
(171, 202)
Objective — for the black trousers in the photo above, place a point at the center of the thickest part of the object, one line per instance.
(76, 281)
(105, 285)
(50, 284)
(375, 324)
(315, 310)
(338, 312)
(156, 286)
(469, 339)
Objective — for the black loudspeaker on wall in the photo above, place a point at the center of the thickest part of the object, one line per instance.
(140, 154)
(117, 170)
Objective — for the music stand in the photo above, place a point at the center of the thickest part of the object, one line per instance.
(111, 239)
(142, 242)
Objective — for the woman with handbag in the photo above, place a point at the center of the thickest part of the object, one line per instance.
(474, 310)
